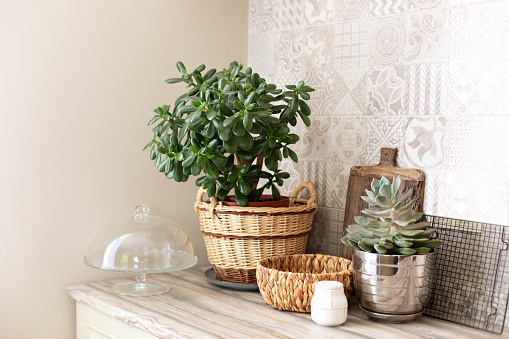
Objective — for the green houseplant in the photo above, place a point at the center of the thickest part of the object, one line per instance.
(392, 258)
(231, 128)
(226, 125)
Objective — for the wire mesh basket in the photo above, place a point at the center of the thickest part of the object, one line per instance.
(471, 283)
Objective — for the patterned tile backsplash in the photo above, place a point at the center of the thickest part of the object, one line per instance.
(430, 77)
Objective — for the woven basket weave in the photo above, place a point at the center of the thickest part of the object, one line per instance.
(287, 282)
(238, 237)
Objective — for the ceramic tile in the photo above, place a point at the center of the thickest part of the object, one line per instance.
(261, 53)
(476, 196)
(349, 92)
(288, 14)
(347, 10)
(382, 132)
(427, 34)
(351, 44)
(319, 12)
(502, 29)
(322, 100)
(471, 87)
(325, 237)
(425, 89)
(329, 179)
(386, 87)
(304, 50)
(424, 142)
(387, 41)
(377, 8)
(434, 194)
(501, 88)
(498, 144)
(468, 144)
(473, 34)
(259, 16)
(348, 140)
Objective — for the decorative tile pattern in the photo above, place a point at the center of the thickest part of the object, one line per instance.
(387, 131)
(387, 43)
(287, 14)
(261, 53)
(259, 16)
(427, 36)
(434, 193)
(385, 87)
(349, 92)
(424, 142)
(471, 32)
(348, 139)
(468, 144)
(425, 89)
(329, 180)
(347, 10)
(471, 87)
(351, 44)
(429, 77)
(304, 50)
(325, 235)
(501, 86)
(319, 12)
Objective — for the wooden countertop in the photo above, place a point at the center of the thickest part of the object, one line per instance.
(195, 308)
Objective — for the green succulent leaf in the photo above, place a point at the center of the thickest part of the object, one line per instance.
(422, 250)
(387, 244)
(370, 241)
(293, 155)
(361, 220)
(380, 249)
(402, 243)
(181, 67)
(381, 232)
(405, 251)
(385, 191)
(353, 236)
(244, 186)
(428, 243)
(375, 186)
(211, 170)
(411, 233)
(245, 141)
(240, 198)
(365, 247)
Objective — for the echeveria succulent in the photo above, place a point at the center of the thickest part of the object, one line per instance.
(398, 229)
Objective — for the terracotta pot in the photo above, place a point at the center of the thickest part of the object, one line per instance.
(283, 202)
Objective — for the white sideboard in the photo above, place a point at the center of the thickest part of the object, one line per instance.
(195, 308)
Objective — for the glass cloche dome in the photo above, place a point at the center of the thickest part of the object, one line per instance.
(140, 244)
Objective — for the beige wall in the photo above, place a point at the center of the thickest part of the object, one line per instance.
(78, 82)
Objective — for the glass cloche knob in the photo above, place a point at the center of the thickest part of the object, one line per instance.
(140, 244)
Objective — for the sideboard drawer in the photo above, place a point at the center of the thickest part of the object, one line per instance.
(94, 324)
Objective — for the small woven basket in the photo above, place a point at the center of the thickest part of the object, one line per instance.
(287, 282)
(238, 237)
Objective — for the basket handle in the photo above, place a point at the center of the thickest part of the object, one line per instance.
(213, 202)
(302, 185)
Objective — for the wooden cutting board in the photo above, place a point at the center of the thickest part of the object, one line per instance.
(360, 180)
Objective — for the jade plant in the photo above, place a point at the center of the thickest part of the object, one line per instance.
(398, 229)
(224, 127)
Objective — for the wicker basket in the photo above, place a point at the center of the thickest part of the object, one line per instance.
(238, 237)
(287, 282)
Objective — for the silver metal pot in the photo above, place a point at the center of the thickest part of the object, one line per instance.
(393, 288)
